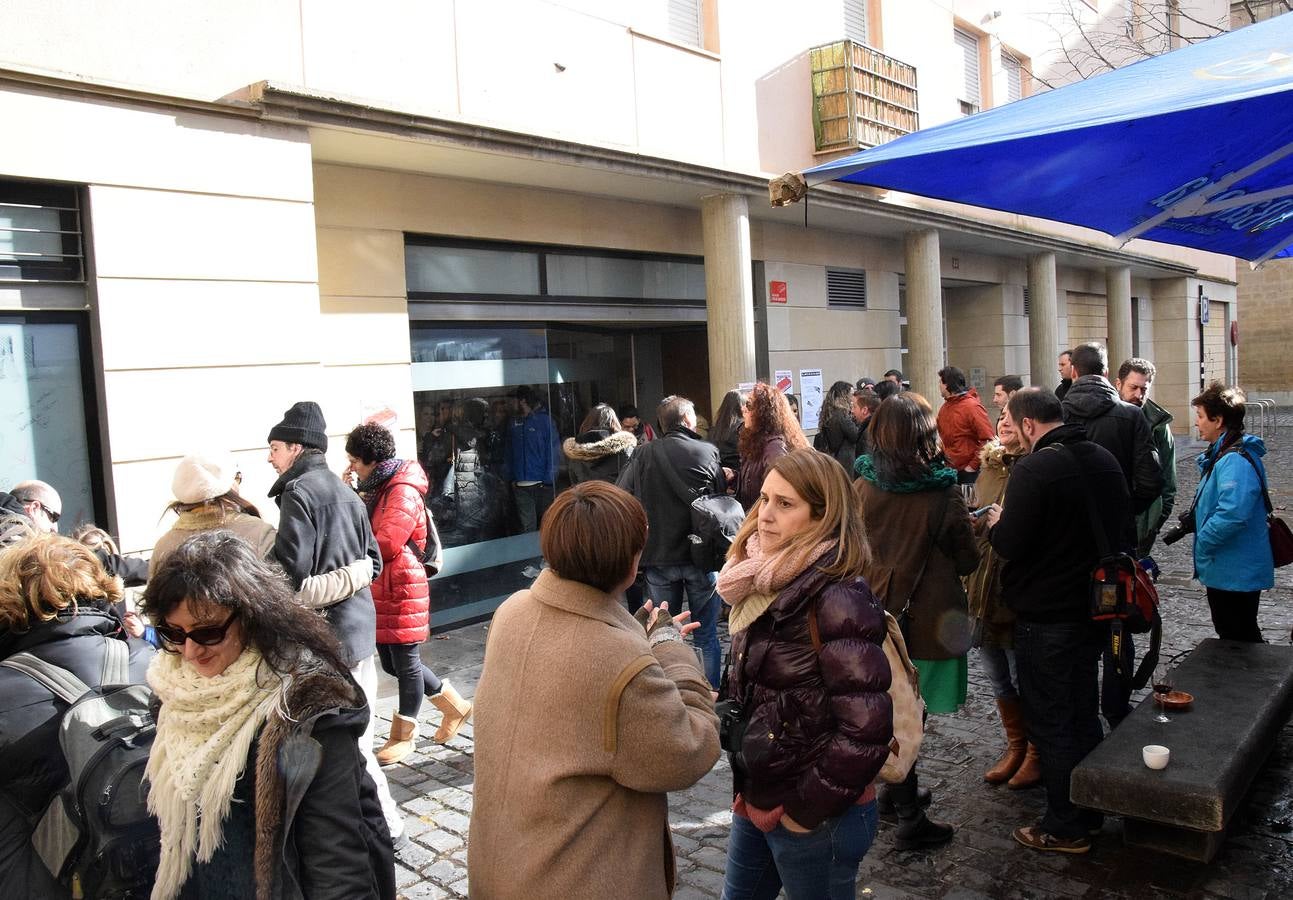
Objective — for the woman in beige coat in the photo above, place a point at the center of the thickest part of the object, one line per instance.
(584, 720)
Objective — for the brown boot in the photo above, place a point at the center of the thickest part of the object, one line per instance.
(1030, 773)
(1012, 719)
(404, 732)
(454, 709)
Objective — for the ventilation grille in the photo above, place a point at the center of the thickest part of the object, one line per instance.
(846, 287)
(1028, 302)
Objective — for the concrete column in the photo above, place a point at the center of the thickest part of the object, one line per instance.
(924, 314)
(1117, 281)
(729, 292)
(1043, 321)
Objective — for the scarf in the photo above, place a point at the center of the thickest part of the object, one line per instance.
(204, 735)
(750, 584)
(371, 487)
(936, 479)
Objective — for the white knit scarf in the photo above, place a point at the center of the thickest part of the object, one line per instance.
(204, 733)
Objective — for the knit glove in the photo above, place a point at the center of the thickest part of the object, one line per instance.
(663, 629)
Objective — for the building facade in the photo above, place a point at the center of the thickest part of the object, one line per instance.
(206, 216)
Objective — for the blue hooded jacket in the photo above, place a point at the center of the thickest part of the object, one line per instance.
(1232, 550)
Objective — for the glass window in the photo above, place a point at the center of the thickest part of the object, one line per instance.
(40, 232)
(493, 406)
(572, 275)
(42, 421)
(470, 270)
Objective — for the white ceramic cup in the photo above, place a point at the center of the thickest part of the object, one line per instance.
(1156, 757)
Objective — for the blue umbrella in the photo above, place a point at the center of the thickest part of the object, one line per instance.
(1194, 147)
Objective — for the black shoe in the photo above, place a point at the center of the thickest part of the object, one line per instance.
(884, 802)
(918, 832)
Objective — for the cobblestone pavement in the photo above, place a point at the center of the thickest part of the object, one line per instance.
(434, 785)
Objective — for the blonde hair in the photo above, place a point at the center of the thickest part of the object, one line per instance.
(820, 481)
(46, 574)
(95, 538)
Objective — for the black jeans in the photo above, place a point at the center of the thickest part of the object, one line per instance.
(416, 680)
(1059, 688)
(1234, 615)
(532, 501)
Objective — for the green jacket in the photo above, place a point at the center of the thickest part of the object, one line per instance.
(1152, 520)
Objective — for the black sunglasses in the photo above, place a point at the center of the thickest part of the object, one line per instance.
(206, 636)
(53, 516)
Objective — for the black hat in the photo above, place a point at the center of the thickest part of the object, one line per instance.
(302, 424)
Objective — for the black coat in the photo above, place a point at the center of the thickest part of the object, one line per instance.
(318, 827)
(32, 767)
(324, 526)
(820, 721)
(1123, 430)
(1044, 533)
(840, 434)
(695, 462)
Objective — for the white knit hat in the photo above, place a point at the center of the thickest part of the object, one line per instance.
(202, 476)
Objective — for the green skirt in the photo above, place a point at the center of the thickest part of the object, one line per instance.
(943, 683)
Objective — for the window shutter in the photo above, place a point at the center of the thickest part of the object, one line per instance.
(684, 22)
(969, 47)
(846, 287)
(855, 21)
(1014, 77)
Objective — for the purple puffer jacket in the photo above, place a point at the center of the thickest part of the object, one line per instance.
(821, 723)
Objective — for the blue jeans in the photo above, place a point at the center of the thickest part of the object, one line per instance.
(666, 584)
(1000, 666)
(815, 866)
(1059, 686)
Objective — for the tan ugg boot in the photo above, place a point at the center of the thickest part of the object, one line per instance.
(1012, 719)
(454, 709)
(404, 732)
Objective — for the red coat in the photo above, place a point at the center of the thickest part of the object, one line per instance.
(963, 425)
(401, 594)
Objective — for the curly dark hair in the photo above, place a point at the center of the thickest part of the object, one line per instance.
(218, 568)
(370, 444)
(771, 416)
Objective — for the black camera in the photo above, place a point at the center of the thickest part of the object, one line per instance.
(1184, 525)
(732, 721)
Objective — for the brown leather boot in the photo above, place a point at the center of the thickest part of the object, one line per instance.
(1030, 773)
(404, 732)
(1012, 719)
(454, 710)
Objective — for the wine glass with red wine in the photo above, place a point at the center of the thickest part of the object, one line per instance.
(1162, 687)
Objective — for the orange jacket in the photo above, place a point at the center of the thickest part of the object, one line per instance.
(964, 428)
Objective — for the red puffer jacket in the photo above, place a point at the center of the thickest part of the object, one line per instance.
(820, 721)
(400, 593)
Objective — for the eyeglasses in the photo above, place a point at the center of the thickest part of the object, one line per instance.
(53, 516)
(206, 636)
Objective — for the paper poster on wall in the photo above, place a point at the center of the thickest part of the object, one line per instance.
(782, 381)
(810, 404)
(745, 387)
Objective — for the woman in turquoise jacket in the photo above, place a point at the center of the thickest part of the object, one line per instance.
(1232, 552)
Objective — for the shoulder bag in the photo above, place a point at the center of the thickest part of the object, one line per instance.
(1276, 528)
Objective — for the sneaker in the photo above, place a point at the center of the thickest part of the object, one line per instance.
(1034, 838)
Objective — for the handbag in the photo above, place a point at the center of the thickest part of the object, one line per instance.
(1277, 529)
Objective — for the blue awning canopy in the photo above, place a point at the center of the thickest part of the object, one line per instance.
(1194, 147)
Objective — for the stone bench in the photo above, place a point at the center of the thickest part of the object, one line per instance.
(1243, 694)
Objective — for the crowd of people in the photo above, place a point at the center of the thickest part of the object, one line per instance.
(900, 539)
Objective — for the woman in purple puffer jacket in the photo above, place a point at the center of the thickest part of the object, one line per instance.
(808, 662)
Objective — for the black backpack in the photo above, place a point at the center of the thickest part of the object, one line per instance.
(97, 835)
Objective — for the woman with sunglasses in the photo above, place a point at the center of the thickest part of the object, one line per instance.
(56, 603)
(255, 774)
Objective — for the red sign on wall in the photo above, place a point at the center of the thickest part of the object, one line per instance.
(777, 292)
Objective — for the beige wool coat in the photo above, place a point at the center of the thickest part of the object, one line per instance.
(581, 727)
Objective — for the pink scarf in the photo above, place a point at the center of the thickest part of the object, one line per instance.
(755, 572)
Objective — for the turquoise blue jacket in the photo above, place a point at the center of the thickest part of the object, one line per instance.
(1231, 548)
